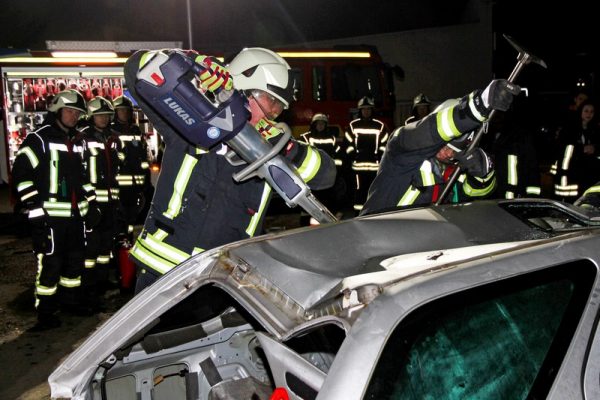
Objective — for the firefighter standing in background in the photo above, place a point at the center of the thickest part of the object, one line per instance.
(134, 174)
(325, 138)
(366, 139)
(511, 142)
(50, 179)
(420, 157)
(101, 156)
(578, 164)
(197, 205)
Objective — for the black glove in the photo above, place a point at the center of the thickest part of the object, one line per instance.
(93, 216)
(475, 163)
(40, 233)
(498, 95)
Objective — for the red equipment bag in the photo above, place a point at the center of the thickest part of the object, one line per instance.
(126, 266)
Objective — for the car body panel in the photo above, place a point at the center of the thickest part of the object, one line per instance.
(363, 276)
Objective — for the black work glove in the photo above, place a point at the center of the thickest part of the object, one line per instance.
(475, 163)
(498, 95)
(40, 233)
(93, 216)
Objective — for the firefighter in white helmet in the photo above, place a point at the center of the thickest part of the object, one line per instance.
(197, 205)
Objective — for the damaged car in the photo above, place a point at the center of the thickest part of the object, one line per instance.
(491, 299)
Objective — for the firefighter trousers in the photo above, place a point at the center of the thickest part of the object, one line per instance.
(59, 246)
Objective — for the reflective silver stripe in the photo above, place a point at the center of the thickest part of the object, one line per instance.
(533, 190)
(445, 124)
(37, 212)
(69, 282)
(183, 177)
(33, 160)
(554, 168)
(163, 249)
(409, 196)
(365, 166)
(567, 157)
(92, 168)
(44, 290)
(96, 145)
(320, 141)
(104, 259)
(474, 110)
(54, 171)
(513, 178)
(156, 263)
(509, 195)
(28, 195)
(251, 229)
(145, 165)
(58, 147)
(426, 174)
(24, 185)
(90, 264)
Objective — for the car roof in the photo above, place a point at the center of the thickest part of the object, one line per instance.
(313, 265)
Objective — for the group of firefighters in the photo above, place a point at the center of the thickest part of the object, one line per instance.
(83, 187)
(74, 182)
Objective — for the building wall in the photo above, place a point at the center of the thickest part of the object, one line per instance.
(441, 62)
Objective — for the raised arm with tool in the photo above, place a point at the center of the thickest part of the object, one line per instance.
(166, 83)
(223, 153)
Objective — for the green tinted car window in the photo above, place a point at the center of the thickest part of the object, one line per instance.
(500, 341)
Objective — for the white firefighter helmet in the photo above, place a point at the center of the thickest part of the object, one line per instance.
(99, 105)
(263, 69)
(366, 102)
(69, 98)
(122, 102)
(319, 117)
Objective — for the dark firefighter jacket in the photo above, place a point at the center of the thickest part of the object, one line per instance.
(49, 174)
(197, 205)
(326, 141)
(134, 171)
(409, 172)
(575, 170)
(365, 141)
(102, 154)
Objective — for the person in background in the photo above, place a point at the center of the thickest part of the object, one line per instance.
(365, 141)
(51, 183)
(324, 137)
(135, 188)
(577, 166)
(197, 205)
(420, 157)
(102, 154)
(510, 141)
(420, 109)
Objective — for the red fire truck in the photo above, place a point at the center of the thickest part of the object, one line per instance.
(329, 81)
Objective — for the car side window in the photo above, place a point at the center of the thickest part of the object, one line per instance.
(504, 340)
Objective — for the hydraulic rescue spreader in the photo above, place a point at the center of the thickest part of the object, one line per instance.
(166, 83)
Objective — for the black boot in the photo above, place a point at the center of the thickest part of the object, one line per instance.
(45, 322)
